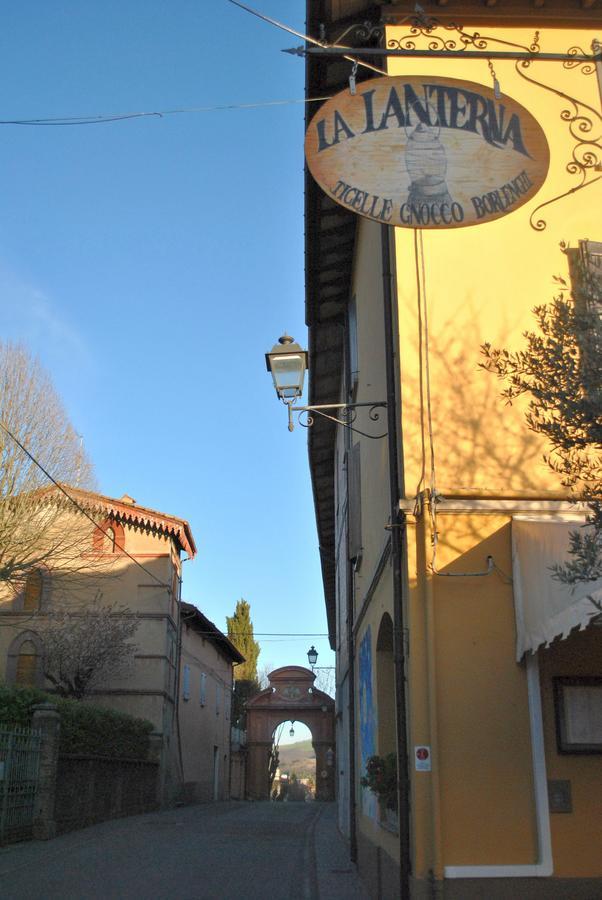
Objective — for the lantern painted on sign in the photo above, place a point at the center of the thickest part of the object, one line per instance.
(426, 162)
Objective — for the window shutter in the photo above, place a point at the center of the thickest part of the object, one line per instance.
(203, 689)
(33, 592)
(186, 683)
(585, 266)
(352, 347)
(354, 503)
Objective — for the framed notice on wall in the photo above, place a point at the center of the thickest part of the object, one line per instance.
(578, 703)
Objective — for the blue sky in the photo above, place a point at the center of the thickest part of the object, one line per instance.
(151, 263)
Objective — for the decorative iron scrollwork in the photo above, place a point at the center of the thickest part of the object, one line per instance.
(586, 68)
(427, 27)
(585, 127)
(346, 415)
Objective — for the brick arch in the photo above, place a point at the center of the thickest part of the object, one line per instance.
(290, 695)
(100, 540)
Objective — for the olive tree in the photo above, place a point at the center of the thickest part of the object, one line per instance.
(560, 371)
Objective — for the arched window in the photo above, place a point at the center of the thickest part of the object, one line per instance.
(385, 687)
(24, 660)
(32, 599)
(27, 665)
(108, 537)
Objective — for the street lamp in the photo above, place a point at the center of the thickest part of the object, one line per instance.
(287, 364)
(312, 656)
(292, 731)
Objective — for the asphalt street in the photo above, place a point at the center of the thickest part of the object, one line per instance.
(221, 851)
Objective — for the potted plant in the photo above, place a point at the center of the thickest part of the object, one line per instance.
(381, 779)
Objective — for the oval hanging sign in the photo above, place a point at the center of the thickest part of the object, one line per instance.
(423, 151)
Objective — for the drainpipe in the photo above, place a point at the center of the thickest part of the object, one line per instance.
(399, 567)
(351, 713)
(350, 662)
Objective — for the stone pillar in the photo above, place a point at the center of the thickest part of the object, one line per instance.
(258, 777)
(325, 759)
(46, 720)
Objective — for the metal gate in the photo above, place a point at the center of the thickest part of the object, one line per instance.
(19, 765)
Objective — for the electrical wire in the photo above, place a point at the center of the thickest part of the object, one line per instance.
(78, 506)
(159, 114)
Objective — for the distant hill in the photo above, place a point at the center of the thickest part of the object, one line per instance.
(299, 758)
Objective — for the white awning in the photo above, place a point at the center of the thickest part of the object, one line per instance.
(545, 608)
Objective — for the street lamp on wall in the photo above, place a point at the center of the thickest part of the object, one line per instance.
(312, 656)
(287, 364)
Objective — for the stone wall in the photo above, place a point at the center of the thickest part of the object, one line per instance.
(92, 789)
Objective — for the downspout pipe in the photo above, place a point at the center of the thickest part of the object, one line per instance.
(399, 566)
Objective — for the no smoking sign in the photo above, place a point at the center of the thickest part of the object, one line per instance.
(422, 758)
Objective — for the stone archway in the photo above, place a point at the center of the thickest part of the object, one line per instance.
(291, 695)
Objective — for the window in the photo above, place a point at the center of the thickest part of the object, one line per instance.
(186, 683)
(354, 503)
(108, 537)
(24, 660)
(578, 704)
(32, 600)
(217, 690)
(203, 689)
(27, 665)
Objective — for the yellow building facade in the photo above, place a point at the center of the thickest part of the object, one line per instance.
(438, 523)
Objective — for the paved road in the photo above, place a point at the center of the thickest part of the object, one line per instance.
(222, 851)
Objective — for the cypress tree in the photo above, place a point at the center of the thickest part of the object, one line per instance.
(240, 632)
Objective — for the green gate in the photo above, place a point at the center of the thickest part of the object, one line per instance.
(19, 764)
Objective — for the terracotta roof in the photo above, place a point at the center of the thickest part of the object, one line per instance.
(192, 615)
(126, 510)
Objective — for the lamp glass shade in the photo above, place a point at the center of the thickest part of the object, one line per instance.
(312, 656)
(288, 372)
(287, 363)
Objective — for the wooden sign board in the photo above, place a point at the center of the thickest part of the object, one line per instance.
(426, 152)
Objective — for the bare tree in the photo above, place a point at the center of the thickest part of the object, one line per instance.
(84, 650)
(326, 680)
(31, 533)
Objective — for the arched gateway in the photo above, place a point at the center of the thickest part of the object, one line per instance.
(291, 695)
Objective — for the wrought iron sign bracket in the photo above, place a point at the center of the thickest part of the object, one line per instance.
(450, 41)
(346, 414)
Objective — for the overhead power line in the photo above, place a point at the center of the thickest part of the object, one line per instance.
(157, 114)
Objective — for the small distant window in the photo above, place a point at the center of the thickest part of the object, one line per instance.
(217, 690)
(33, 592)
(186, 683)
(27, 665)
(203, 689)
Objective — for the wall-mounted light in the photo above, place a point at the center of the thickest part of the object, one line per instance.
(287, 364)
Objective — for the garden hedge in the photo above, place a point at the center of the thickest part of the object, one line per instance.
(86, 730)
